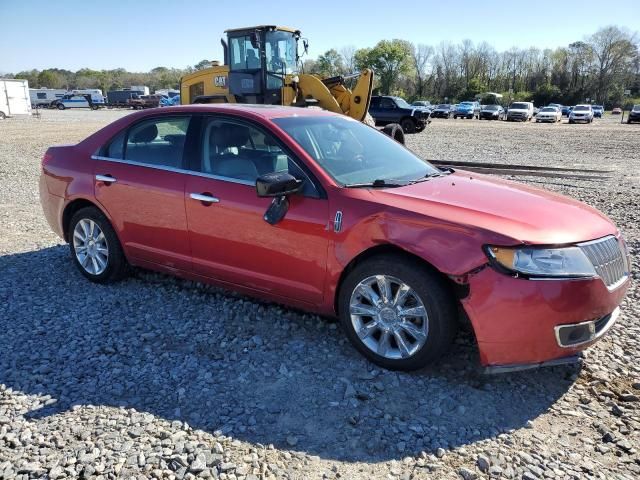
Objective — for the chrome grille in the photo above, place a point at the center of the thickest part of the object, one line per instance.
(608, 259)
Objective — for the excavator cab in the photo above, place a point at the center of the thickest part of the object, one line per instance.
(260, 59)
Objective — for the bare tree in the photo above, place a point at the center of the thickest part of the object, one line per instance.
(348, 54)
(421, 55)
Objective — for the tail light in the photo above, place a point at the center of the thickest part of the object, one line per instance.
(47, 157)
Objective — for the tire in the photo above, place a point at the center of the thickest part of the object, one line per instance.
(94, 107)
(570, 122)
(408, 125)
(455, 117)
(394, 131)
(2, 116)
(426, 290)
(60, 106)
(115, 264)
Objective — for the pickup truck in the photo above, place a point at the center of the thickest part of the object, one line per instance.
(388, 109)
(145, 101)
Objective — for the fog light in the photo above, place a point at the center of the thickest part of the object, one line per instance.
(572, 335)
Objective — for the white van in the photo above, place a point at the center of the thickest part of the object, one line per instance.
(14, 98)
(520, 111)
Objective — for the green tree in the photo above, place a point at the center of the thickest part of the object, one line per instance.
(202, 64)
(390, 59)
(330, 63)
(50, 79)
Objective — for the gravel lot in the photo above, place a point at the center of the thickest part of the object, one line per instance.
(160, 378)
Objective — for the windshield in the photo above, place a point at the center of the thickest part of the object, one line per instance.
(401, 102)
(492, 107)
(466, 104)
(549, 109)
(444, 105)
(354, 153)
(519, 106)
(280, 50)
(636, 108)
(598, 107)
(581, 108)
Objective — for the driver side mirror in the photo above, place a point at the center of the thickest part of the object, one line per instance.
(277, 185)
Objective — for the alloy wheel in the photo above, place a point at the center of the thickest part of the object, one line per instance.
(90, 246)
(389, 317)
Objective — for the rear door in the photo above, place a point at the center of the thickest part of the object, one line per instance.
(140, 181)
(230, 240)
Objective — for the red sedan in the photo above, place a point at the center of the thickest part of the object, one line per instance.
(320, 212)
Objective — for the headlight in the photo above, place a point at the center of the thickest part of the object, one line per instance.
(543, 262)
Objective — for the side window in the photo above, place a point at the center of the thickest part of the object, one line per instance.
(387, 103)
(159, 141)
(243, 55)
(242, 152)
(115, 149)
(375, 102)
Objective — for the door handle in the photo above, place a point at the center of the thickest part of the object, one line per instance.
(106, 179)
(204, 197)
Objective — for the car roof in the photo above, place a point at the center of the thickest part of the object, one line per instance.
(263, 111)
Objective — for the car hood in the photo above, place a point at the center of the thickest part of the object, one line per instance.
(523, 214)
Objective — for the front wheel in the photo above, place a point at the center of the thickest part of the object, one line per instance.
(95, 247)
(398, 314)
(408, 125)
(60, 106)
(2, 116)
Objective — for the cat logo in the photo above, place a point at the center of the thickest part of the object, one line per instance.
(220, 81)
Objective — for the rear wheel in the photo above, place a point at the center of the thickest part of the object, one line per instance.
(95, 247)
(2, 116)
(60, 106)
(397, 313)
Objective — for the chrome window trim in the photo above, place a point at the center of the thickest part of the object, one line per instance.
(175, 170)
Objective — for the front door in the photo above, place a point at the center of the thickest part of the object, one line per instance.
(230, 240)
(139, 182)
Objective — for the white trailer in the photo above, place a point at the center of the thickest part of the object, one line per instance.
(144, 90)
(14, 98)
(44, 96)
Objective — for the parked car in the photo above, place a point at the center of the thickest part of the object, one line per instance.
(557, 105)
(492, 112)
(634, 114)
(408, 247)
(467, 110)
(422, 103)
(520, 111)
(581, 113)
(146, 101)
(616, 111)
(444, 110)
(388, 109)
(549, 114)
(598, 111)
(566, 110)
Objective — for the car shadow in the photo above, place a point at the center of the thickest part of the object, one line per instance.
(226, 364)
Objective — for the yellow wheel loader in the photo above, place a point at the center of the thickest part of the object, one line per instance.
(261, 66)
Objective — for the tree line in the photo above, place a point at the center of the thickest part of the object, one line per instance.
(601, 68)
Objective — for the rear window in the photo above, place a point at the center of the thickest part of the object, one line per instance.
(519, 106)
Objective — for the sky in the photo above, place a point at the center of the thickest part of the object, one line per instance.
(142, 34)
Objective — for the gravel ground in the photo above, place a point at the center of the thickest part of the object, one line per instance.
(161, 378)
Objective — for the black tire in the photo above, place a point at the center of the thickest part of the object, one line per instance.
(394, 131)
(60, 106)
(408, 125)
(94, 107)
(117, 266)
(432, 291)
(2, 116)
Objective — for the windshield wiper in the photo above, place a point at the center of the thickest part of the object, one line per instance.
(431, 175)
(377, 183)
